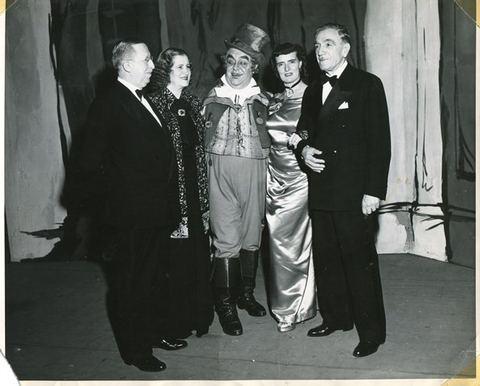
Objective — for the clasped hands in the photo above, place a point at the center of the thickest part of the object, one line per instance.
(310, 155)
(312, 159)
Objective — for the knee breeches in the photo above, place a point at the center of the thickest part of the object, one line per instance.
(237, 203)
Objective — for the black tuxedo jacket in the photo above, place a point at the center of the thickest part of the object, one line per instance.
(129, 159)
(352, 130)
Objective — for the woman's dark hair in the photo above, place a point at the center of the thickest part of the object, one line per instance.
(163, 67)
(288, 48)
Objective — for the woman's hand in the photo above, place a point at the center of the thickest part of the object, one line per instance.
(294, 140)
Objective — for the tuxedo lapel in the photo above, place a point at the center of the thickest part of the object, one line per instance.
(340, 93)
(158, 114)
(136, 108)
(132, 105)
(334, 100)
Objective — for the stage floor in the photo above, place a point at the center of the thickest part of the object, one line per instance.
(57, 329)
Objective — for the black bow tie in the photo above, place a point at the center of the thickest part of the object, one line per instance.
(325, 78)
(140, 93)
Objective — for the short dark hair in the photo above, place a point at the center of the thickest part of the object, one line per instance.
(288, 48)
(342, 30)
(123, 50)
(163, 67)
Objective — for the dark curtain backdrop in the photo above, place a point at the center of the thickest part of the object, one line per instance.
(83, 33)
(201, 26)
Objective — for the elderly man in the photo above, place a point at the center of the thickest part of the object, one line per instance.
(130, 157)
(237, 146)
(348, 153)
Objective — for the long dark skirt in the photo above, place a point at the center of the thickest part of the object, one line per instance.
(190, 294)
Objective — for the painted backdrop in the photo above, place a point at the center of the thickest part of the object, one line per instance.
(57, 58)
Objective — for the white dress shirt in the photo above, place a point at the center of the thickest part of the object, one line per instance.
(327, 87)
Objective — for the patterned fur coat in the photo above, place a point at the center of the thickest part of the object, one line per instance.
(163, 100)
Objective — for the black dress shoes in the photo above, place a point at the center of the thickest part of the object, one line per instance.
(171, 344)
(365, 348)
(324, 330)
(149, 364)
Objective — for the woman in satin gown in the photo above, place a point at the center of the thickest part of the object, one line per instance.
(190, 298)
(292, 283)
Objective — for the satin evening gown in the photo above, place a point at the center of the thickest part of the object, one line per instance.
(292, 281)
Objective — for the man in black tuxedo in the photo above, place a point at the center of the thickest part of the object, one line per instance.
(129, 157)
(348, 153)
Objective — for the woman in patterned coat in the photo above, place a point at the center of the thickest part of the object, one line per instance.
(190, 300)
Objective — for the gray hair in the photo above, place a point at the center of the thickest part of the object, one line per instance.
(124, 50)
(342, 30)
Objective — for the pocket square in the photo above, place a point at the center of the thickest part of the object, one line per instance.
(343, 106)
